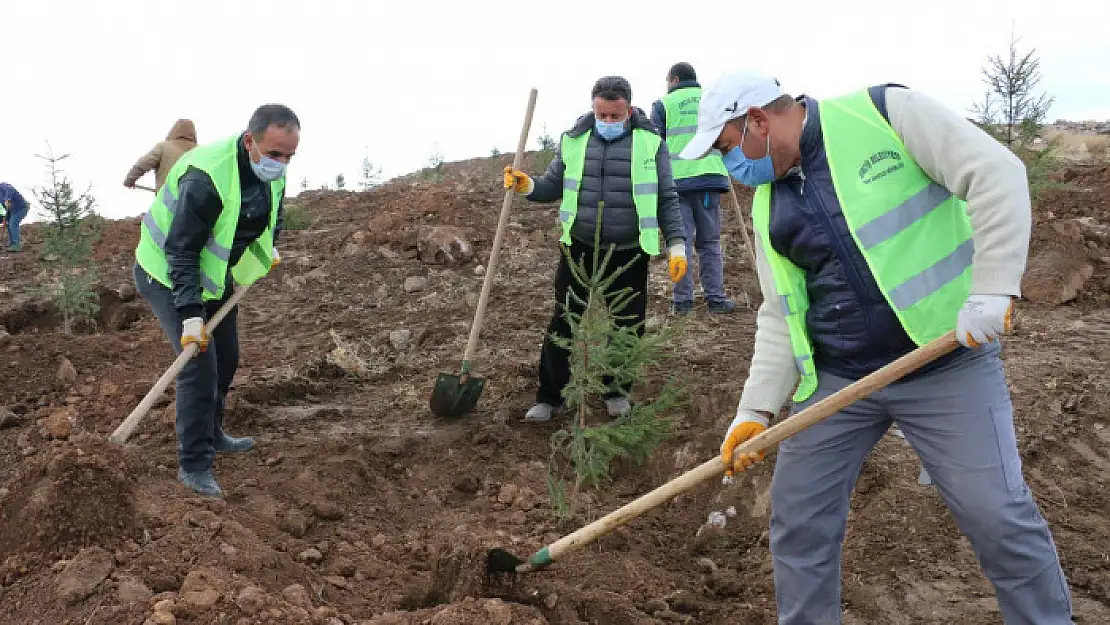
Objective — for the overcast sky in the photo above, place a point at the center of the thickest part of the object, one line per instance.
(399, 81)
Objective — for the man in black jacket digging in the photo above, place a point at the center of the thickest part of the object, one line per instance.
(211, 227)
(612, 162)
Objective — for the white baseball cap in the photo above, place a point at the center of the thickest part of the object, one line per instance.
(728, 98)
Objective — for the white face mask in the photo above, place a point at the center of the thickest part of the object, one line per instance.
(267, 169)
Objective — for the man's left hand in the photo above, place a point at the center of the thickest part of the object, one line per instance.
(275, 259)
(676, 265)
(983, 319)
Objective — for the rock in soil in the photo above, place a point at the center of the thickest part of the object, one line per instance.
(9, 419)
(67, 374)
(202, 588)
(83, 574)
(414, 284)
(131, 590)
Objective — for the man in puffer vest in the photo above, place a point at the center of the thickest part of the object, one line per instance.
(212, 226)
(884, 220)
(610, 163)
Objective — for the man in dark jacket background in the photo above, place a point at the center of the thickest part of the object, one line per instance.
(15, 210)
(608, 164)
(700, 183)
(186, 283)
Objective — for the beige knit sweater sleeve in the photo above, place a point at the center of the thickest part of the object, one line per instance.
(961, 158)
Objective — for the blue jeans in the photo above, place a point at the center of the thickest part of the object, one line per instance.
(14, 219)
(203, 384)
(959, 420)
(701, 213)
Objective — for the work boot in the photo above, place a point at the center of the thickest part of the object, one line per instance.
(225, 444)
(202, 482)
(15, 248)
(618, 406)
(722, 307)
(540, 412)
(682, 308)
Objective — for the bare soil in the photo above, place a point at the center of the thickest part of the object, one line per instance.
(359, 506)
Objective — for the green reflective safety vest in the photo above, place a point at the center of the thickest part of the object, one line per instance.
(220, 160)
(682, 124)
(914, 234)
(645, 184)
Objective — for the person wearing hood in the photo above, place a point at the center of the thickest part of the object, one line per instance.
(161, 158)
(883, 221)
(700, 183)
(212, 228)
(611, 166)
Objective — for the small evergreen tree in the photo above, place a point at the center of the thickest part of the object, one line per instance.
(1013, 110)
(67, 242)
(547, 145)
(495, 152)
(304, 183)
(371, 175)
(340, 181)
(604, 355)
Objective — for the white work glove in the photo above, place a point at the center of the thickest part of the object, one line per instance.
(192, 331)
(983, 319)
(747, 425)
(275, 259)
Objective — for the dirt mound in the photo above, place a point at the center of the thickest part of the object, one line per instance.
(358, 506)
(77, 495)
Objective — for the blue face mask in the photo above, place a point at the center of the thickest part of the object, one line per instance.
(609, 130)
(267, 169)
(746, 171)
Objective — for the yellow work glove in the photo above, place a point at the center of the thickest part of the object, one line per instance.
(676, 264)
(275, 259)
(192, 331)
(747, 425)
(518, 181)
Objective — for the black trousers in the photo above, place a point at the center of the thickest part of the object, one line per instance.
(554, 360)
(203, 384)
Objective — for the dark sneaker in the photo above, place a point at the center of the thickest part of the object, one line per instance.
(722, 307)
(15, 248)
(202, 482)
(231, 445)
(682, 308)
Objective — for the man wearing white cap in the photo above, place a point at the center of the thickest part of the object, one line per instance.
(884, 220)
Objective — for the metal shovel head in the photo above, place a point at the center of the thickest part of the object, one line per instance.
(501, 561)
(453, 396)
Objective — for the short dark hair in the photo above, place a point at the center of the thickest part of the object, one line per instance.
(682, 71)
(272, 115)
(612, 88)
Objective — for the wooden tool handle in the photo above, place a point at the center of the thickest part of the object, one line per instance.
(144, 188)
(480, 314)
(773, 435)
(129, 424)
(743, 226)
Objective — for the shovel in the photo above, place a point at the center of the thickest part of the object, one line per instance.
(456, 395)
(129, 424)
(501, 561)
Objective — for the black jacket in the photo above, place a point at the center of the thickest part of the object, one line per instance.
(607, 175)
(198, 208)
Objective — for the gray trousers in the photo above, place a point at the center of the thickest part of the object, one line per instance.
(701, 214)
(959, 420)
(203, 384)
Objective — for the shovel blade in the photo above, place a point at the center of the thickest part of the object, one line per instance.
(501, 561)
(453, 396)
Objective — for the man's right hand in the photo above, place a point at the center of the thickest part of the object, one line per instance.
(518, 181)
(192, 331)
(747, 425)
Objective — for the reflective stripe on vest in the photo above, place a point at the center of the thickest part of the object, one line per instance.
(682, 124)
(645, 184)
(915, 236)
(220, 161)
